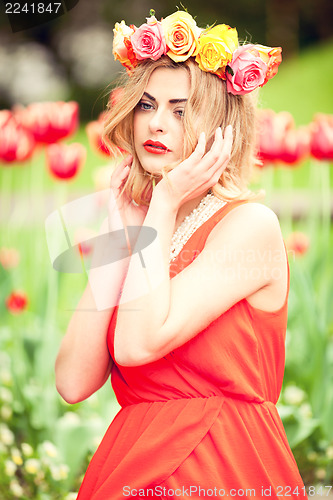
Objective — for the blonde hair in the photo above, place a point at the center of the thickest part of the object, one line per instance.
(209, 106)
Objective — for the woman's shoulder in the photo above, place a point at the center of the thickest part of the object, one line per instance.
(248, 241)
(246, 219)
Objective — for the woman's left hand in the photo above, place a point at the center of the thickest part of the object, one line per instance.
(199, 172)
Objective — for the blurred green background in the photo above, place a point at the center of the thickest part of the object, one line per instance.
(45, 444)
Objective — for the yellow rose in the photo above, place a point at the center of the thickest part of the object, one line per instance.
(181, 35)
(215, 49)
(122, 47)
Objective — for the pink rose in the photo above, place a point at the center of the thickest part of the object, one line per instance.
(148, 40)
(248, 71)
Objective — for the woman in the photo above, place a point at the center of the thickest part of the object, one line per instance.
(197, 358)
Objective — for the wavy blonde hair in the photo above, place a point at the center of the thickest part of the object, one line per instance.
(209, 106)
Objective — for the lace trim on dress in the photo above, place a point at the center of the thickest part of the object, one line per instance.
(206, 208)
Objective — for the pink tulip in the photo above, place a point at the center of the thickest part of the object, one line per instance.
(322, 137)
(298, 243)
(278, 140)
(50, 122)
(83, 239)
(9, 257)
(5, 115)
(94, 131)
(65, 160)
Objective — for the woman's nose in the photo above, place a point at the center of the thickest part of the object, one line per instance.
(158, 122)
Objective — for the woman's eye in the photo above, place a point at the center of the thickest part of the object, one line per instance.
(179, 112)
(145, 105)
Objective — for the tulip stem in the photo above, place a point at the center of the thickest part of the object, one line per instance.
(287, 176)
(269, 183)
(6, 188)
(36, 168)
(325, 233)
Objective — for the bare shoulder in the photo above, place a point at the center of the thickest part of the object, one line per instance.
(250, 235)
(249, 221)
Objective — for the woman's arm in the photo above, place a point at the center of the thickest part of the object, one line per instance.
(83, 363)
(237, 261)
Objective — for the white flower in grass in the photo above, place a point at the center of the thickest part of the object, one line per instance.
(27, 449)
(10, 468)
(59, 472)
(97, 441)
(329, 452)
(3, 449)
(6, 412)
(6, 377)
(16, 488)
(320, 474)
(306, 410)
(293, 395)
(72, 417)
(16, 456)
(6, 435)
(71, 496)
(49, 449)
(32, 465)
(39, 478)
(6, 395)
(312, 456)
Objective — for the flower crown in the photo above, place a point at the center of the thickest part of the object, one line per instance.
(215, 49)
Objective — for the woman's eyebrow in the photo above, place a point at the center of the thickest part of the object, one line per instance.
(171, 101)
(175, 101)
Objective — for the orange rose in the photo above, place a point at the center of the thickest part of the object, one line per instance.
(181, 35)
(122, 47)
(272, 56)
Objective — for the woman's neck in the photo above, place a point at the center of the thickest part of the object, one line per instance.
(187, 208)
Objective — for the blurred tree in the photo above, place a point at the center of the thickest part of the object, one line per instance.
(282, 25)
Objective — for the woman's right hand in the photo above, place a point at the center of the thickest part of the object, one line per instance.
(120, 204)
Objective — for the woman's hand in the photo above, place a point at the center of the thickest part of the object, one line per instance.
(199, 172)
(120, 203)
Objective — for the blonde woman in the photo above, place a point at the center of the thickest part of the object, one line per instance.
(197, 358)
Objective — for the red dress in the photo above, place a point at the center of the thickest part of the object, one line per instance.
(201, 422)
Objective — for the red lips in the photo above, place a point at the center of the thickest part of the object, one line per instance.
(155, 147)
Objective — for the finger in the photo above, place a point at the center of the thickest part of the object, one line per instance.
(228, 140)
(221, 149)
(210, 159)
(118, 175)
(200, 148)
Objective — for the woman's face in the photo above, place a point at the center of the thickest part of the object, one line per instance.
(158, 123)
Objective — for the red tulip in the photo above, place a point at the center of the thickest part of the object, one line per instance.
(279, 140)
(94, 131)
(16, 302)
(16, 143)
(298, 243)
(65, 160)
(50, 122)
(295, 146)
(322, 137)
